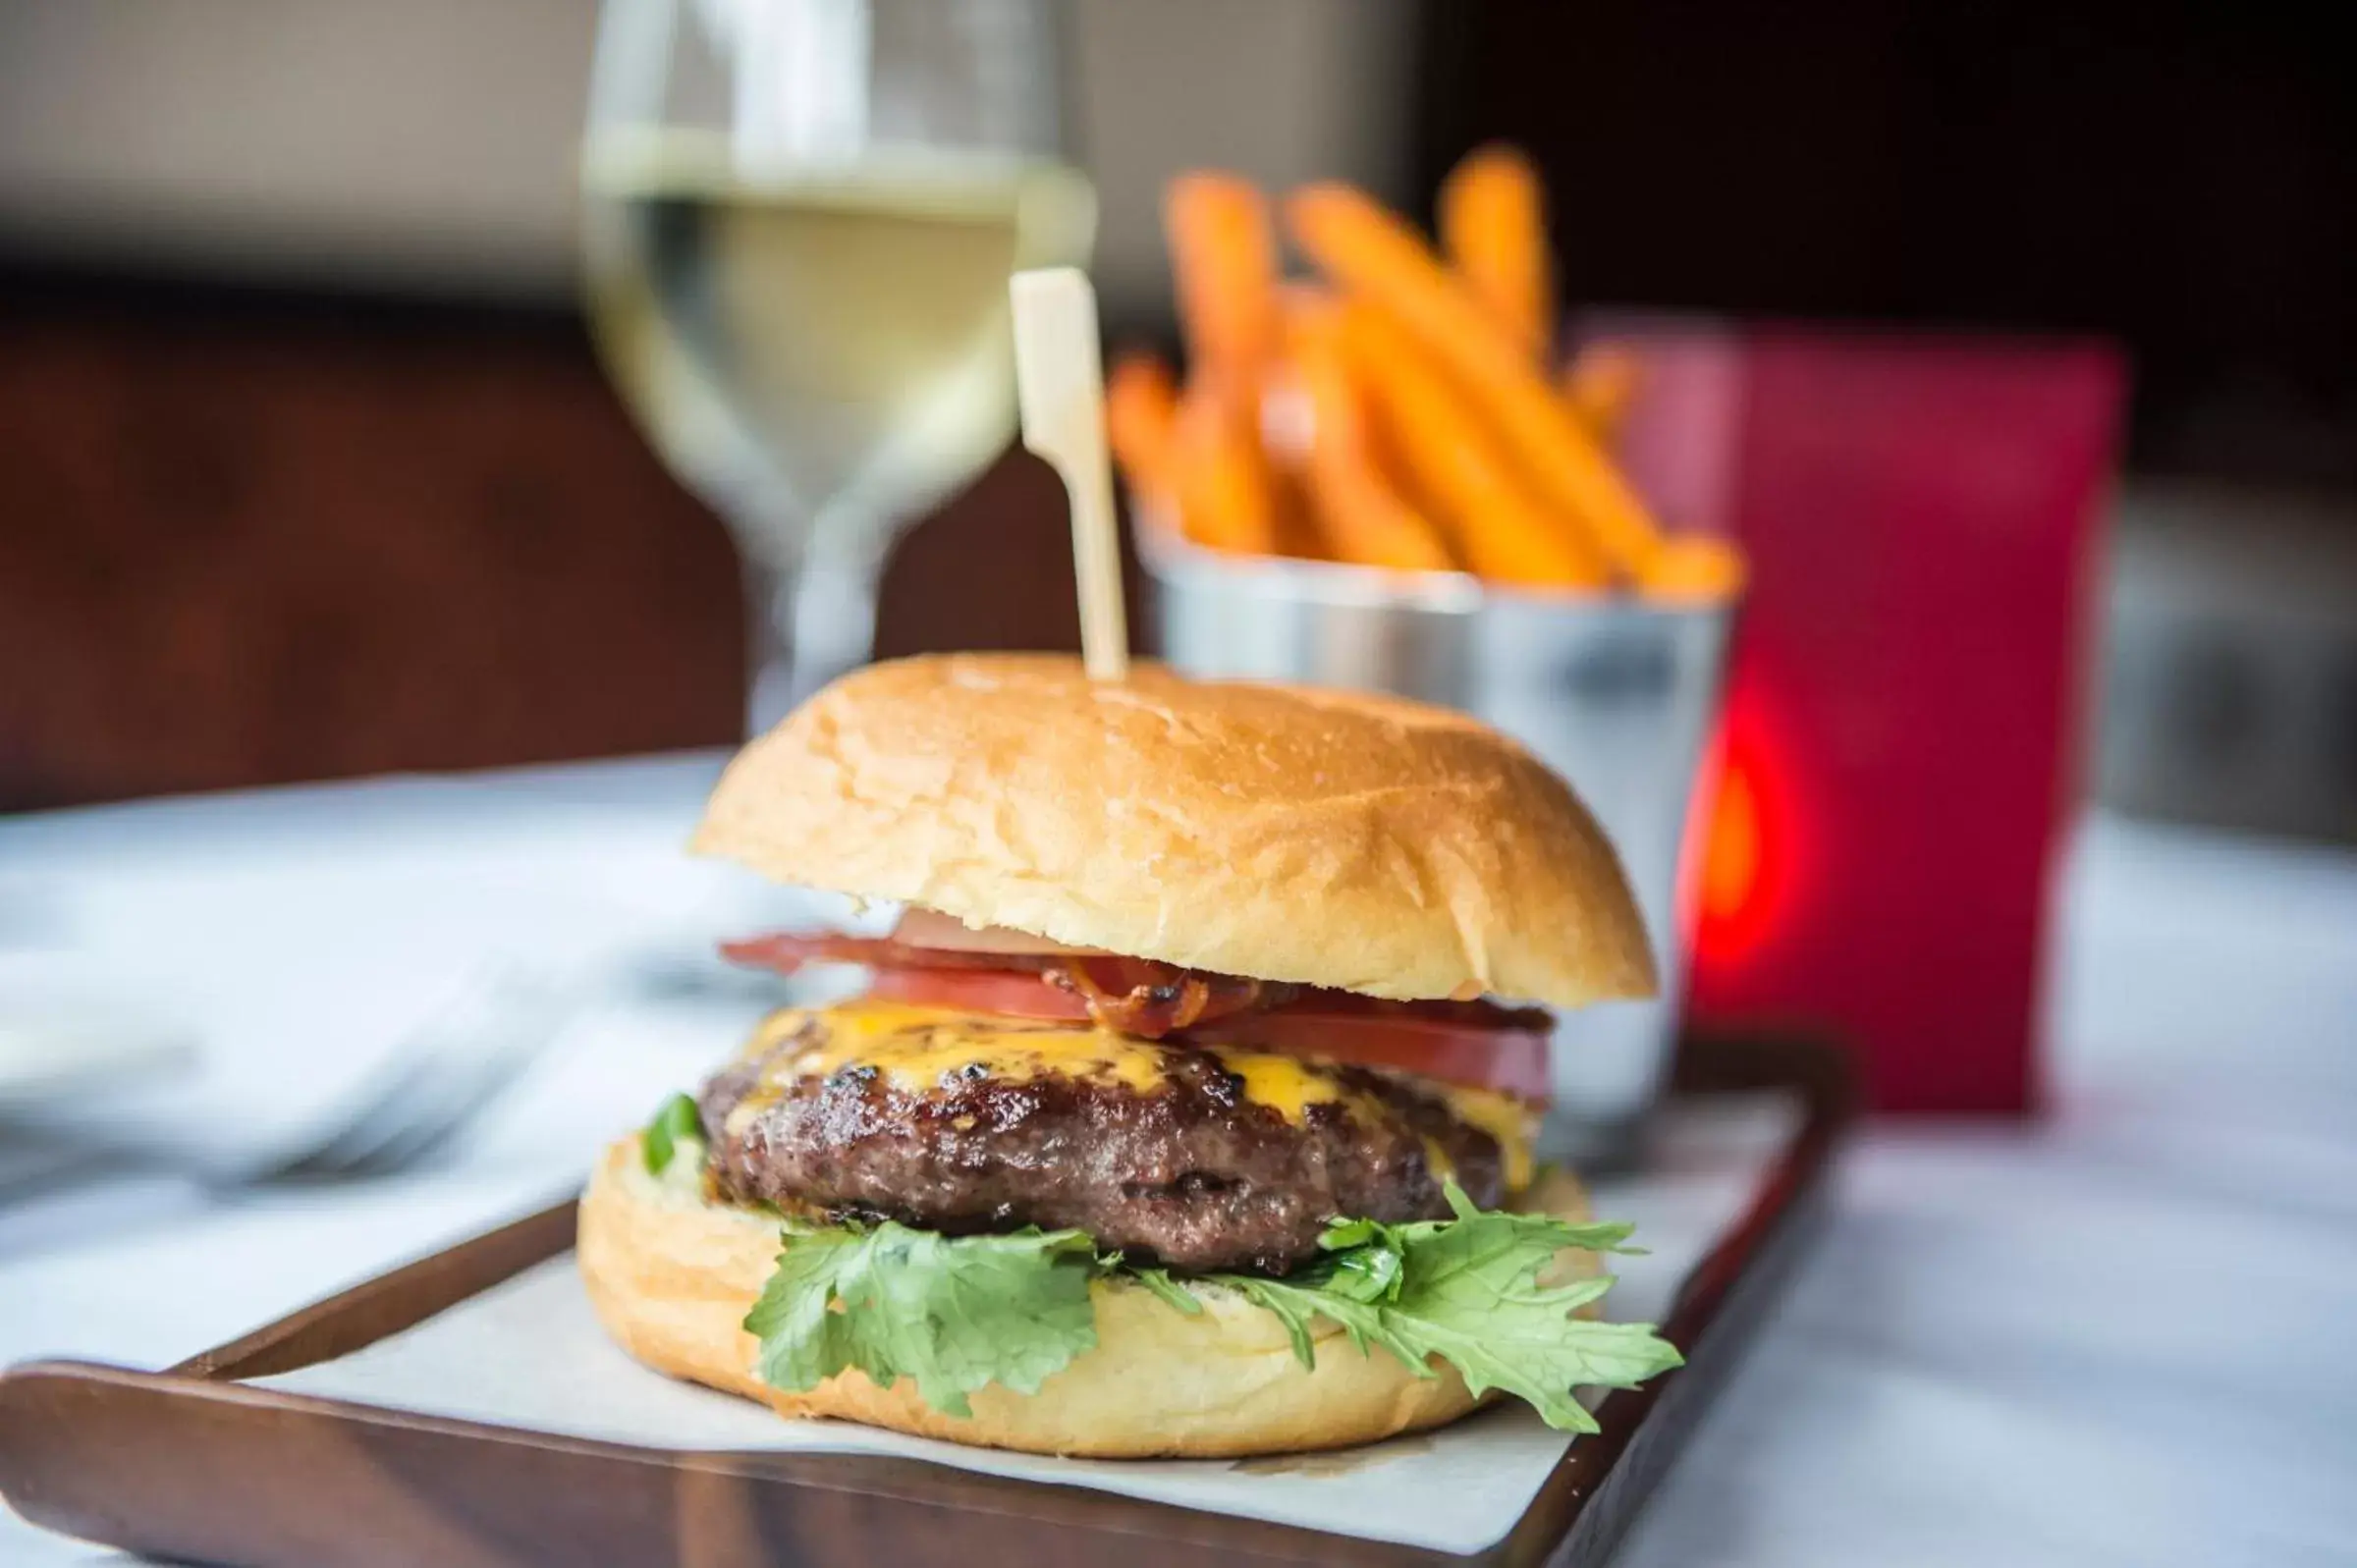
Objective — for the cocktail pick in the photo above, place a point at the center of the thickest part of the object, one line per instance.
(1060, 382)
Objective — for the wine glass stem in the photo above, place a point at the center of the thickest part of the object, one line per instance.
(809, 623)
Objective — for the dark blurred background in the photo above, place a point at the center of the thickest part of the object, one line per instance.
(306, 468)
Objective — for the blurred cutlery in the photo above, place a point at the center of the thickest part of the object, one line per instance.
(435, 1084)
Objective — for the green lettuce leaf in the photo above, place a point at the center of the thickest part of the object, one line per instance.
(952, 1313)
(956, 1313)
(675, 1123)
(1173, 1294)
(1467, 1291)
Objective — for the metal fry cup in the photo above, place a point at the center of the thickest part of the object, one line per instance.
(1618, 695)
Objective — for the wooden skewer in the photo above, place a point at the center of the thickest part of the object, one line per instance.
(1060, 383)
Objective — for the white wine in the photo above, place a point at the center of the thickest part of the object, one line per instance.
(800, 339)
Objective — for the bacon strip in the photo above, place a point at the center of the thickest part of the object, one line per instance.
(1134, 996)
(1140, 997)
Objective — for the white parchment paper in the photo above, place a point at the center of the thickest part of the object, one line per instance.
(530, 1353)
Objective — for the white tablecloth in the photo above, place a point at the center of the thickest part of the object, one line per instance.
(2127, 1335)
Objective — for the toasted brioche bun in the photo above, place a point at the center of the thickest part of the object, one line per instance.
(1326, 837)
(672, 1277)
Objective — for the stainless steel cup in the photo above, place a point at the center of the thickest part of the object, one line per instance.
(1617, 694)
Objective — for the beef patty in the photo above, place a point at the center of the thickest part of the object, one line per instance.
(1200, 1157)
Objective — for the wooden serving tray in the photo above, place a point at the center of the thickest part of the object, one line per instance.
(193, 1464)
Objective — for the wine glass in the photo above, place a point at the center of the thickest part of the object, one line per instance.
(800, 218)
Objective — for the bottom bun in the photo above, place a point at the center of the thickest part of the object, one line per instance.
(673, 1276)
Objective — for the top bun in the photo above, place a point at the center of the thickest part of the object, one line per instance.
(1326, 838)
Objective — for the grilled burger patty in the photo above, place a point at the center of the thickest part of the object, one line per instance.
(1199, 1156)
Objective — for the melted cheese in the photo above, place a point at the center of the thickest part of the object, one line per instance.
(1504, 1117)
(919, 1049)
(1285, 1084)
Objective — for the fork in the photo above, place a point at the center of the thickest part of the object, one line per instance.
(435, 1084)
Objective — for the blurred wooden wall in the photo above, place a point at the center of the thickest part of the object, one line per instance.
(250, 539)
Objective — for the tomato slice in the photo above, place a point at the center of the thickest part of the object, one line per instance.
(1472, 1042)
(1503, 1051)
(1007, 993)
(1509, 1058)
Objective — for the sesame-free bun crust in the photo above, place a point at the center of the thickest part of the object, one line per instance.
(1326, 838)
(673, 1276)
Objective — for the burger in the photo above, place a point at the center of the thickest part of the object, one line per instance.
(1182, 1113)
